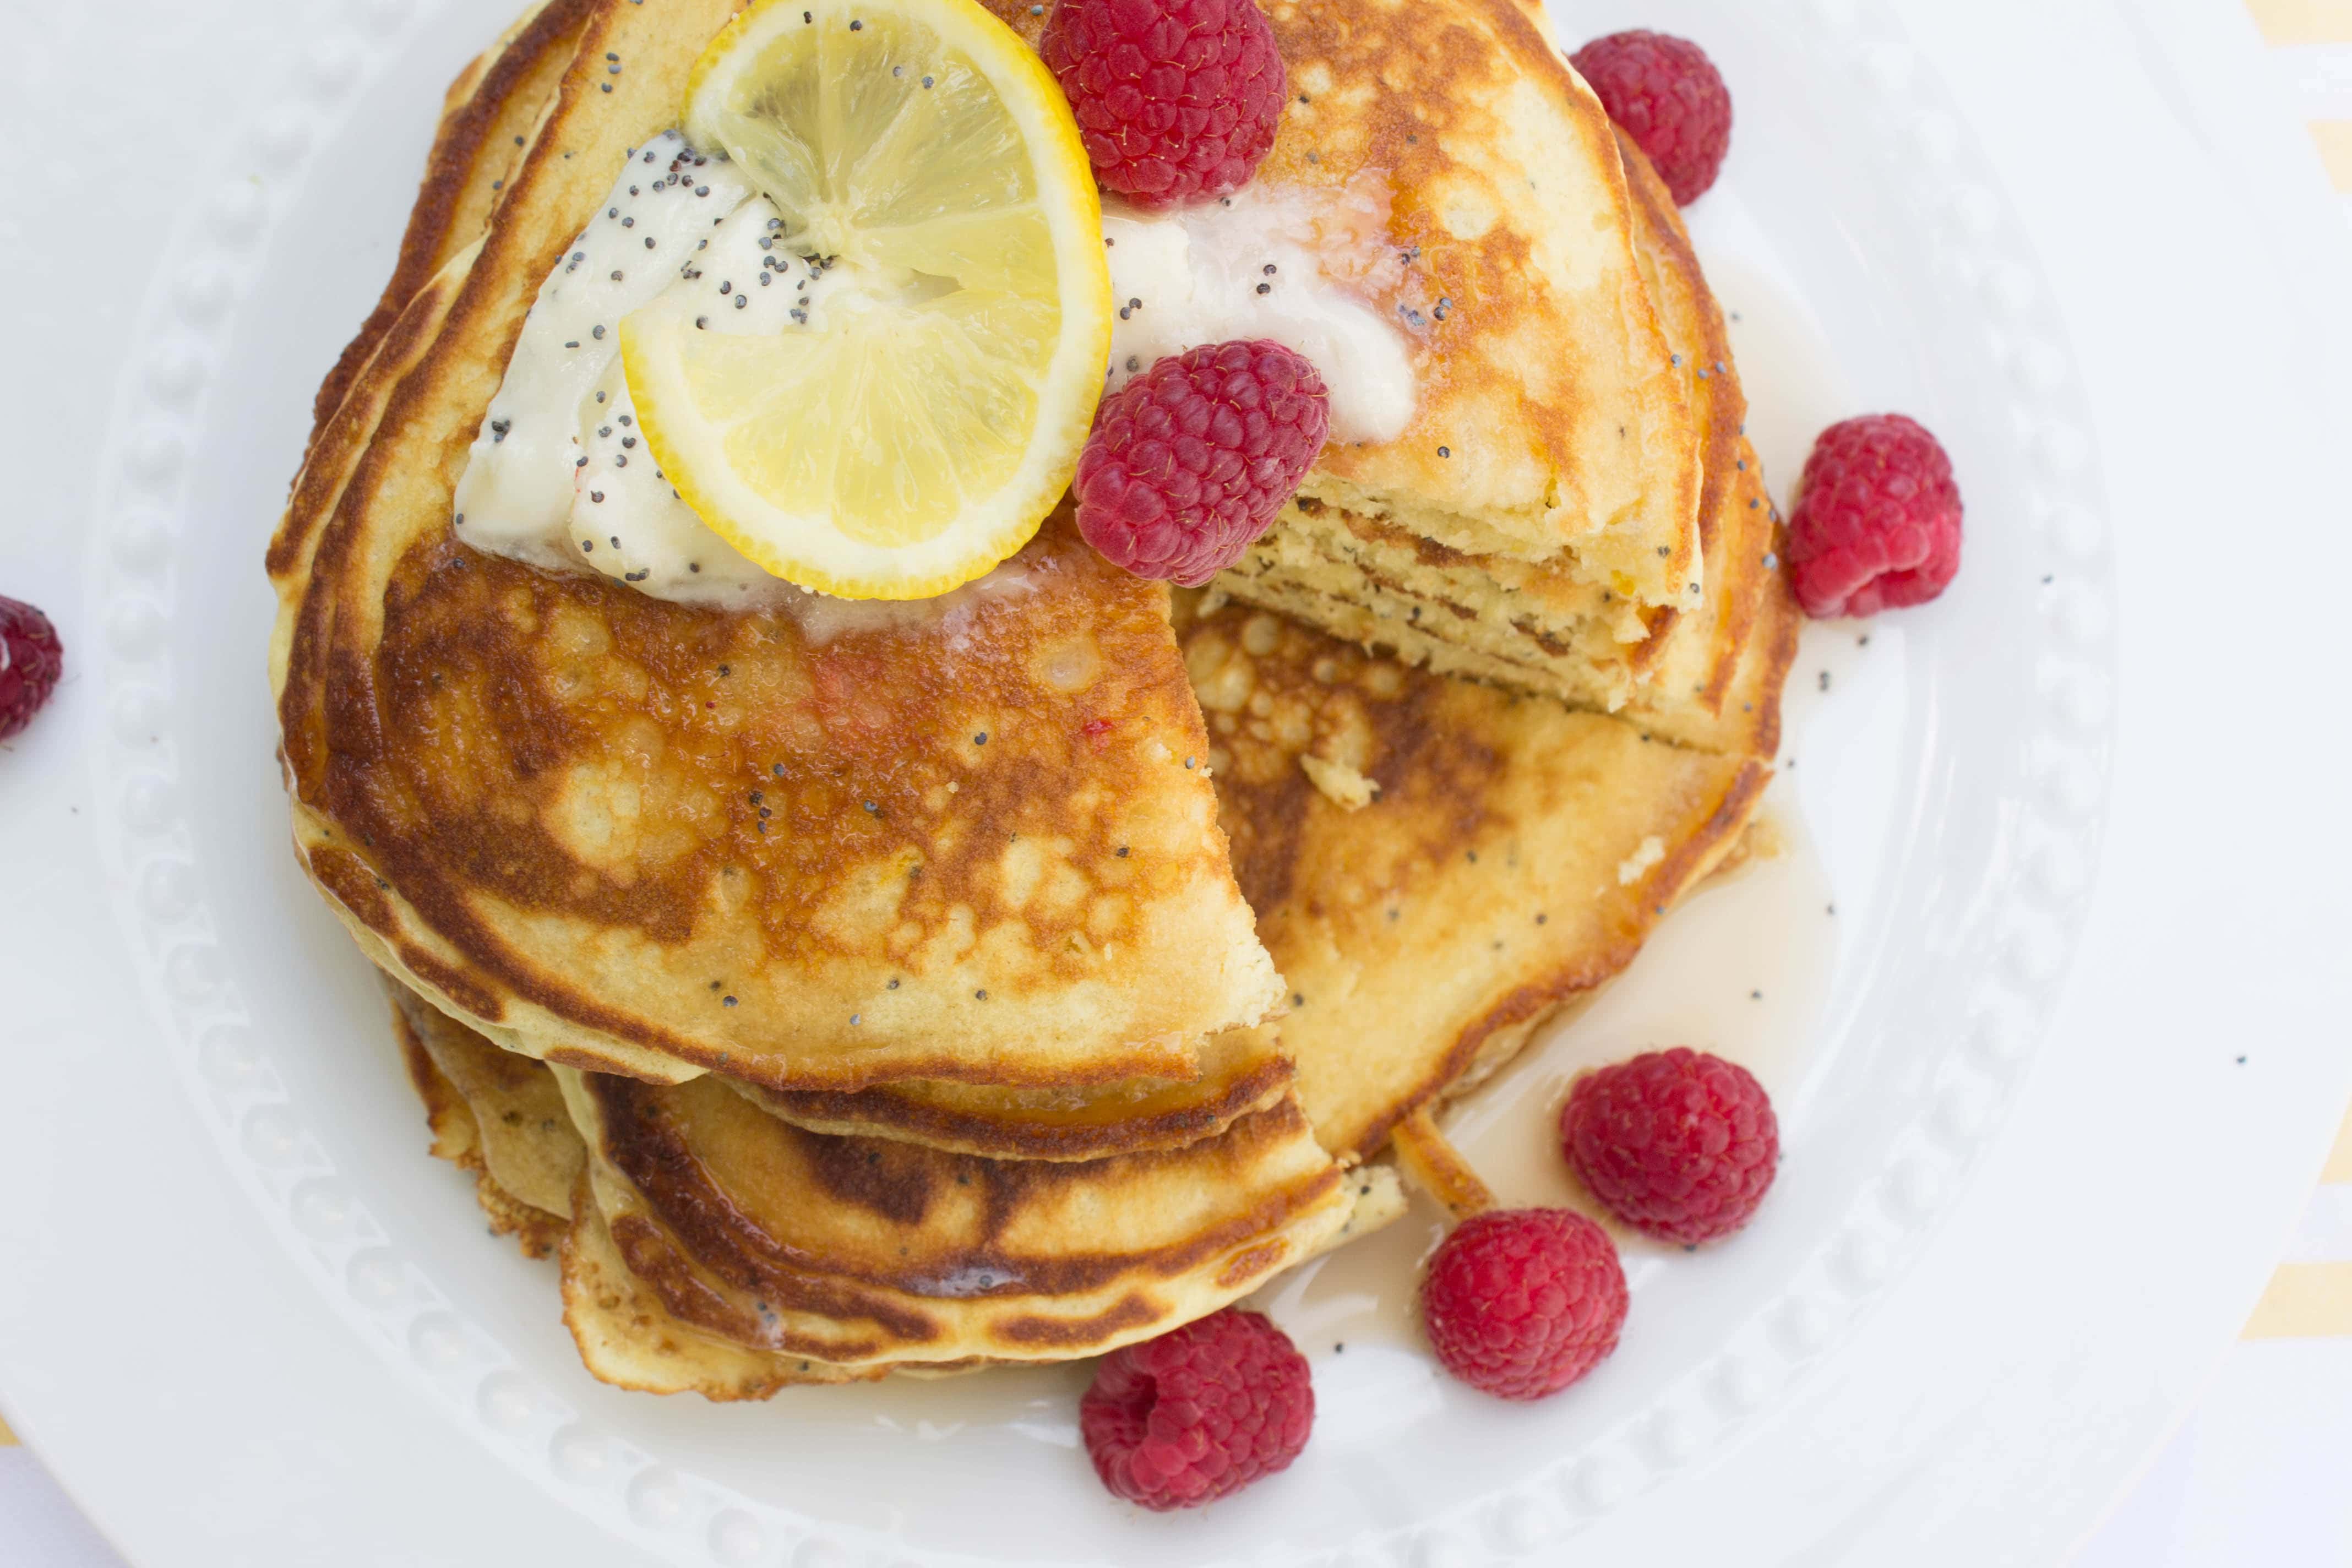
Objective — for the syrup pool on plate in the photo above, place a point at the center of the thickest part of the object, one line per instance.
(1741, 969)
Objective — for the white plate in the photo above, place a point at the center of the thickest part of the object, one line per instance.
(2080, 1036)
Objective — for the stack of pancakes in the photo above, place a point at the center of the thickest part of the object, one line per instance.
(1022, 973)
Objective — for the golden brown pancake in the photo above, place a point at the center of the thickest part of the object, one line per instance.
(457, 1127)
(628, 1338)
(866, 1251)
(1714, 678)
(497, 1125)
(1551, 424)
(1712, 673)
(1540, 627)
(528, 1151)
(625, 1333)
(961, 844)
(1511, 857)
(635, 828)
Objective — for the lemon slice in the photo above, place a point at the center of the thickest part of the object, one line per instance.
(926, 418)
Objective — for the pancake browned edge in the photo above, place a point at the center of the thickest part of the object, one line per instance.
(1550, 423)
(493, 1114)
(545, 802)
(458, 1122)
(487, 117)
(1242, 1071)
(1439, 866)
(861, 1251)
(688, 1236)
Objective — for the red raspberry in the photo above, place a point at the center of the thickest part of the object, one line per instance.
(1198, 1412)
(1671, 100)
(1877, 523)
(1177, 99)
(1190, 462)
(1678, 1144)
(30, 659)
(1522, 1302)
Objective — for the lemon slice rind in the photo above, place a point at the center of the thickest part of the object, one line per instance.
(964, 351)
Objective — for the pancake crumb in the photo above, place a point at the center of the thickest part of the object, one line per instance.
(1652, 850)
(1342, 785)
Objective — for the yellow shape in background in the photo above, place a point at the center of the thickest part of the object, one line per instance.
(2334, 138)
(2305, 1301)
(2285, 21)
(2340, 1164)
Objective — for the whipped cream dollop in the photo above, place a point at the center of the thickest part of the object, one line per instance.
(1268, 262)
(560, 475)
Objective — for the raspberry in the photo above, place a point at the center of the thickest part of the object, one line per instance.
(1671, 100)
(1190, 462)
(1198, 1412)
(30, 659)
(1522, 1302)
(1877, 523)
(1177, 99)
(1678, 1144)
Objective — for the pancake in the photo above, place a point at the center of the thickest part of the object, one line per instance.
(1439, 866)
(626, 1335)
(967, 841)
(456, 1126)
(489, 1109)
(528, 1149)
(865, 1252)
(628, 1338)
(1541, 628)
(1551, 423)
(1716, 675)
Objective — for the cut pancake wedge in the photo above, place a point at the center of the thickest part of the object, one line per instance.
(1550, 423)
(1543, 626)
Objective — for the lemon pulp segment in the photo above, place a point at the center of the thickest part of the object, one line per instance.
(928, 413)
